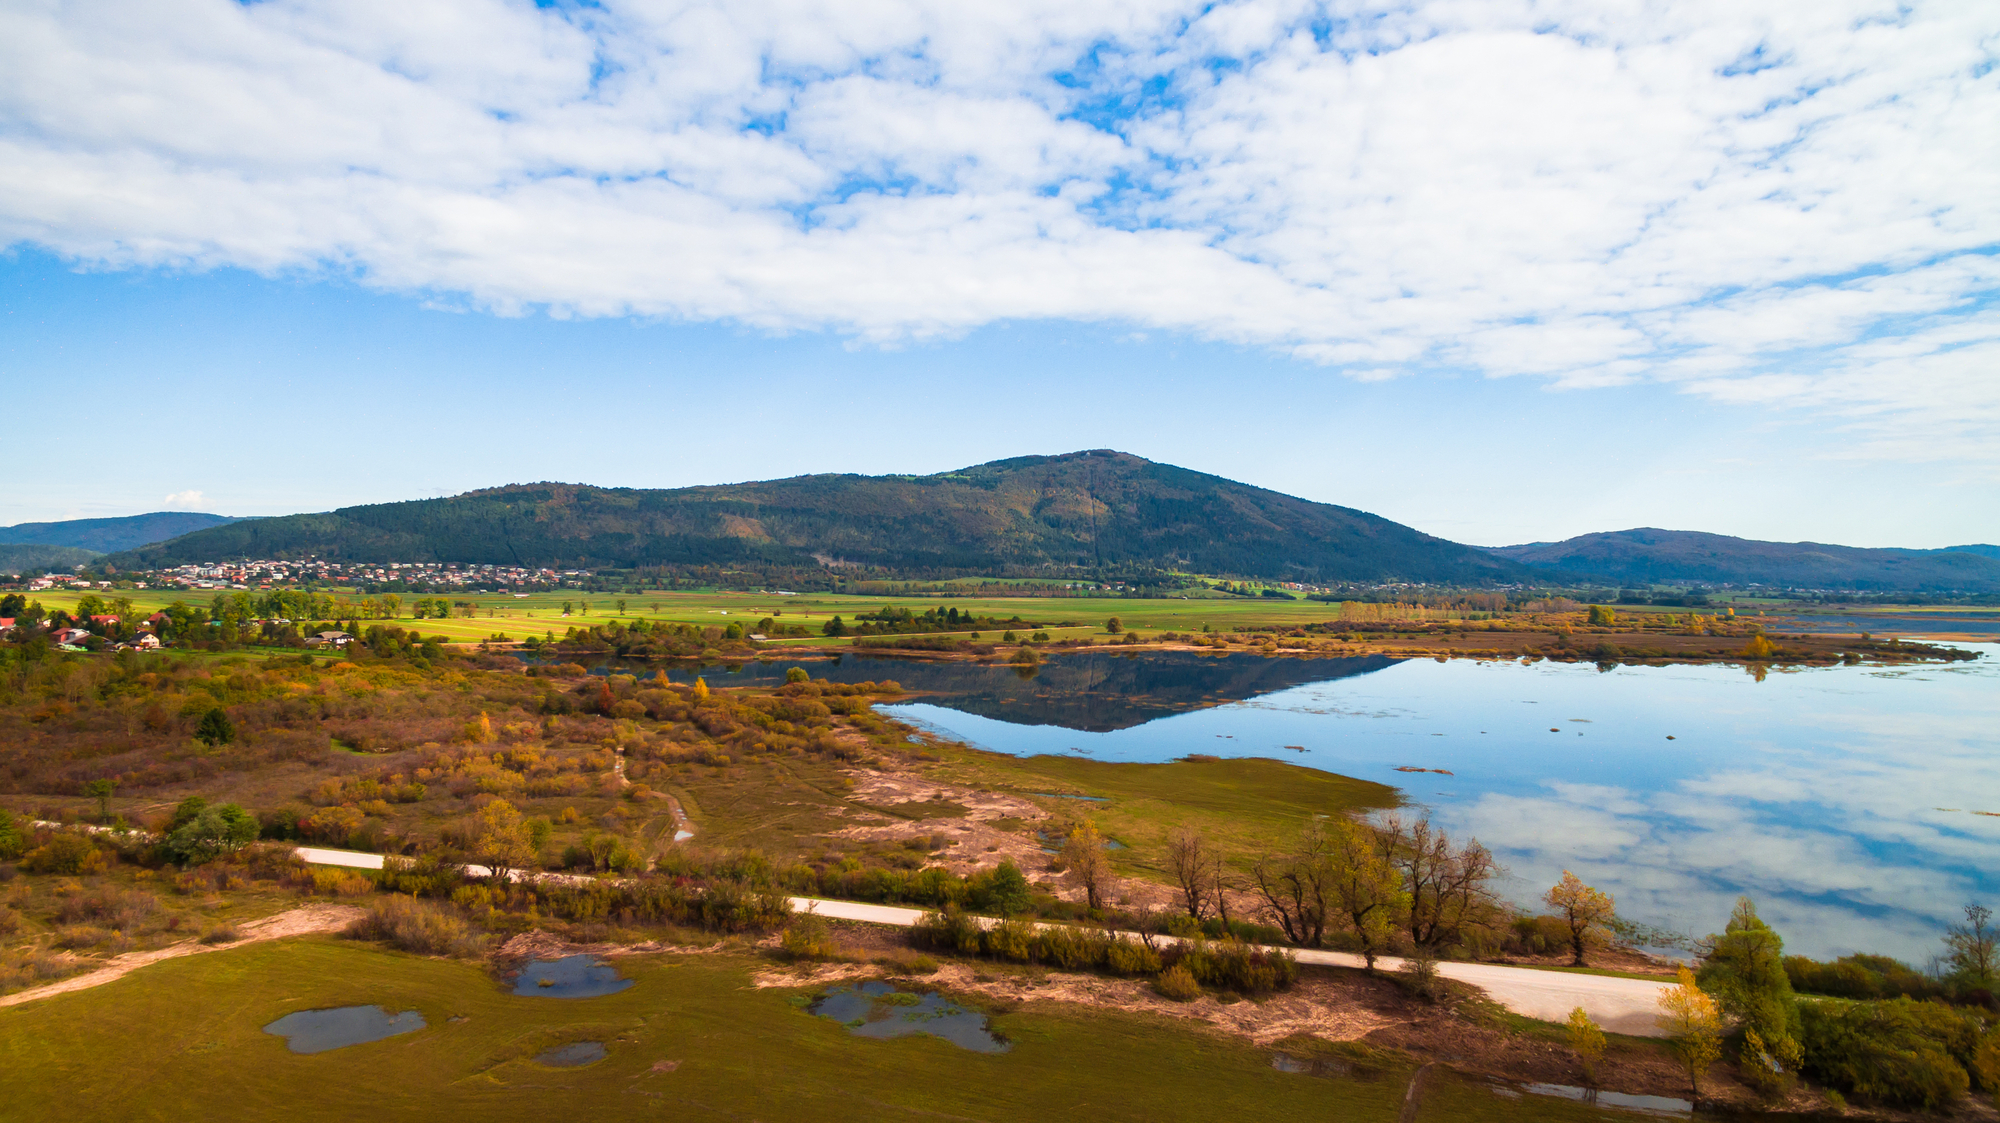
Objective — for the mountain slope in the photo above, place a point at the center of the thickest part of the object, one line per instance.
(110, 535)
(21, 557)
(1648, 555)
(1080, 509)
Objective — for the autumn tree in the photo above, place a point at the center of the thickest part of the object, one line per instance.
(1114, 625)
(700, 689)
(500, 839)
(1692, 1025)
(1586, 1040)
(1586, 912)
(1295, 887)
(1602, 617)
(1086, 865)
(1364, 886)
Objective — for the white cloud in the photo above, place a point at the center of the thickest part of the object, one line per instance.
(1788, 205)
(189, 499)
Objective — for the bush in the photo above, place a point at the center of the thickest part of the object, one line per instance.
(1898, 1052)
(417, 926)
(1131, 958)
(1176, 983)
(224, 933)
(807, 937)
(69, 854)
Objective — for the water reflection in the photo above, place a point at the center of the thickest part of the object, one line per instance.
(1094, 691)
(572, 976)
(1860, 806)
(876, 1009)
(316, 1031)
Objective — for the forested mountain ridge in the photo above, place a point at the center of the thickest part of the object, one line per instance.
(1090, 509)
(107, 535)
(1648, 555)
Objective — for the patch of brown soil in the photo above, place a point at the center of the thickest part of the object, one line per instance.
(979, 843)
(297, 922)
(537, 944)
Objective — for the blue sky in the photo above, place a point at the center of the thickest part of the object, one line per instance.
(1504, 273)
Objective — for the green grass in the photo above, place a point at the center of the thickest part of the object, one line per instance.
(1245, 805)
(182, 1040)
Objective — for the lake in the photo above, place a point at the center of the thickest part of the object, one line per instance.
(1859, 806)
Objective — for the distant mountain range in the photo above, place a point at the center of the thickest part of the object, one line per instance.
(20, 558)
(105, 536)
(1649, 556)
(1090, 509)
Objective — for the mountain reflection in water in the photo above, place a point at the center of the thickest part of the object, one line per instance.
(1094, 691)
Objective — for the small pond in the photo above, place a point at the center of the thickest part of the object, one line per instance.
(1645, 1105)
(572, 976)
(316, 1031)
(877, 1009)
(574, 1055)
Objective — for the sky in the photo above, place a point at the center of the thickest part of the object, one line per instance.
(1502, 271)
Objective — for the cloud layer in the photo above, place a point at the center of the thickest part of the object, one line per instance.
(1789, 205)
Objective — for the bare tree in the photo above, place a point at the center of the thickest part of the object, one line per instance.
(1447, 884)
(1193, 865)
(1364, 886)
(1086, 865)
(1973, 948)
(1294, 887)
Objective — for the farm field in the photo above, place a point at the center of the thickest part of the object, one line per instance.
(692, 1039)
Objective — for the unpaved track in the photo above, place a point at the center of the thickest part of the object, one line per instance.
(1618, 1005)
(297, 922)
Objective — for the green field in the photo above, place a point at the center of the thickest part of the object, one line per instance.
(539, 613)
(182, 1040)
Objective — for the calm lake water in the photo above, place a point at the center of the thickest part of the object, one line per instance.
(1846, 801)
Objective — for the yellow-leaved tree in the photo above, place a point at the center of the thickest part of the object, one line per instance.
(1586, 1040)
(1586, 911)
(501, 841)
(1086, 865)
(1692, 1024)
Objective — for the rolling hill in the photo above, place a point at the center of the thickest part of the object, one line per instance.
(17, 558)
(1089, 509)
(106, 536)
(1650, 556)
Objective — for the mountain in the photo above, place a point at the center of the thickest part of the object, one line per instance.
(17, 558)
(1650, 556)
(1088, 509)
(1984, 550)
(110, 535)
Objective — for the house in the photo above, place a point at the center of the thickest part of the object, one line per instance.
(6, 623)
(106, 621)
(332, 639)
(69, 635)
(146, 641)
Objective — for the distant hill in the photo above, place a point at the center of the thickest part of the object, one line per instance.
(111, 535)
(1650, 556)
(20, 558)
(1982, 549)
(1087, 509)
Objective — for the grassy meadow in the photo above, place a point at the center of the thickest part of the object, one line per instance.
(692, 1040)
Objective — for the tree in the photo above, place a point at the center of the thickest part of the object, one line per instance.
(1744, 970)
(1586, 1040)
(1365, 888)
(1446, 883)
(12, 840)
(1692, 1025)
(210, 834)
(1197, 869)
(1585, 910)
(834, 627)
(1970, 949)
(1006, 890)
(215, 728)
(185, 812)
(100, 790)
(796, 675)
(1294, 887)
(700, 689)
(1758, 648)
(1602, 617)
(621, 607)
(1114, 626)
(501, 841)
(1086, 865)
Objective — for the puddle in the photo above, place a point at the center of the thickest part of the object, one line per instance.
(1646, 1105)
(1060, 795)
(316, 1031)
(572, 1056)
(572, 976)
(876, 1009)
